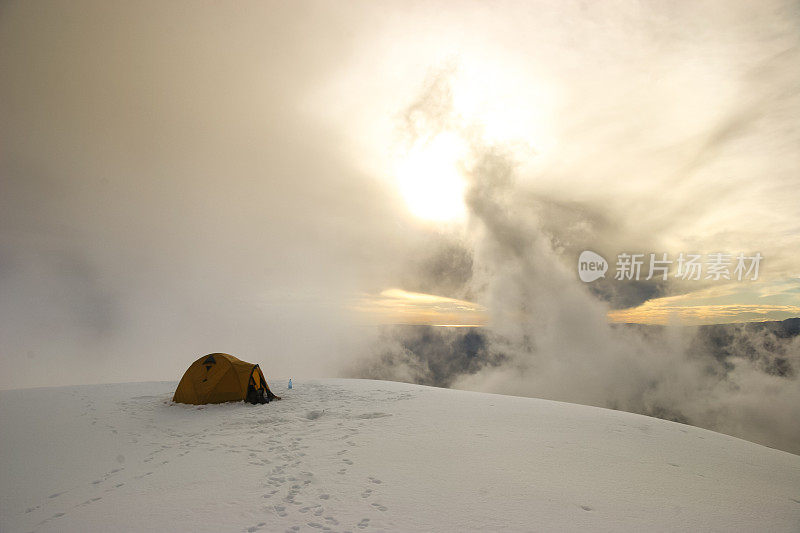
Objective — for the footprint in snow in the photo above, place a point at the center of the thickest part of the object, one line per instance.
(367, 416)
(586, 508)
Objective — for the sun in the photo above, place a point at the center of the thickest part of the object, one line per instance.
(430, 180)
(492, 103)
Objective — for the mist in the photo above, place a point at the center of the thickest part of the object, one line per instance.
(179, 179)
(549, 336)
(165, 195)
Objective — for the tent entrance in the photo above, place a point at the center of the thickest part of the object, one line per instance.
(257, 388)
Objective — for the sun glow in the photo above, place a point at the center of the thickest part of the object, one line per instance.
(398, 306)
(431, 181)
(509, 106)
(490, 101)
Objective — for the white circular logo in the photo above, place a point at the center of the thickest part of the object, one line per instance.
(591, 266)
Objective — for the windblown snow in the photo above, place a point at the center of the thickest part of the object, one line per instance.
(361, 455)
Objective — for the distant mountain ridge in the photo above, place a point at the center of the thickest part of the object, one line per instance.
(767, 343)
(438, 355)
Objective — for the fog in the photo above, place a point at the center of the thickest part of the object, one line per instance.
(549, 336)
(178, 179)
(165, 195)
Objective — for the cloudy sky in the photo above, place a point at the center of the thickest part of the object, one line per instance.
(274, 179)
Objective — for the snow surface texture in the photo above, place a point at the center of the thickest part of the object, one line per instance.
(360, 455)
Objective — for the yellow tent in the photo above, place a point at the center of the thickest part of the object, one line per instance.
(218, 378)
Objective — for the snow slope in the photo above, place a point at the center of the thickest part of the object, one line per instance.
(359, 455)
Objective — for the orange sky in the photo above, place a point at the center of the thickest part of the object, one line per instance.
(397, 306)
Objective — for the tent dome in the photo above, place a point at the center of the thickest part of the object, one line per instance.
(218, 378)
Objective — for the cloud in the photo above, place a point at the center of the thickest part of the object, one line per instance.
(656, 312)
(397, 306)
(180, 179)
(165, 194)
(436, 356)
(548, 335)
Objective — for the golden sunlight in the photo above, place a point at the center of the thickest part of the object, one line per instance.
(398, 306)
(430, 180)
